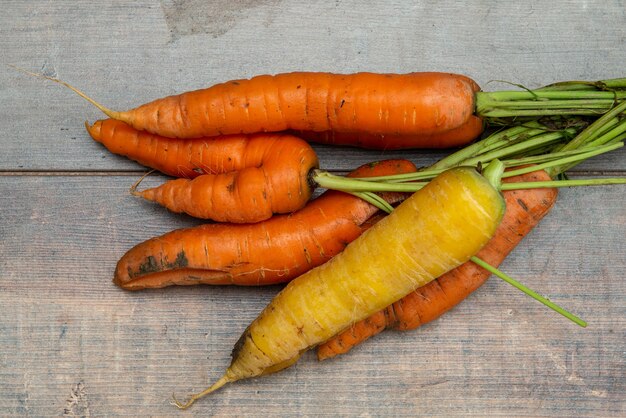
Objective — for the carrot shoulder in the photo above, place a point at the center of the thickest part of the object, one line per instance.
(524, 210)
(268, 252)
(424, 103)
(253, 177)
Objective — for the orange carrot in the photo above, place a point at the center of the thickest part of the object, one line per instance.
(426, 105)
(252, 176)
(454, 137)
(273, 251)
(415, 103)
(176, 157)
(524, 210)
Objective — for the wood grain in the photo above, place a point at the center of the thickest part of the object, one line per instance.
(64, 323)
(73, 344)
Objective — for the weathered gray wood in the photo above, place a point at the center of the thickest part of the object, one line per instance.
(125, 54)
(65, 324)
(72, 343)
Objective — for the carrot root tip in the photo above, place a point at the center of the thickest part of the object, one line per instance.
(194, 397)
(133, 189)
(110, 113)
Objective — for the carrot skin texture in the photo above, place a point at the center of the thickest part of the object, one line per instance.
(436, 229)
(525, 209)
(274, 178)
(425, 103)
(269, 252)
(454, 137)
(186, 158)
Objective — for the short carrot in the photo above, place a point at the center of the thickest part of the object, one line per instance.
(433, 231)
(524, 210)
(273, 251)
(248, 177)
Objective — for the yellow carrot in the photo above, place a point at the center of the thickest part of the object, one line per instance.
(433, 231)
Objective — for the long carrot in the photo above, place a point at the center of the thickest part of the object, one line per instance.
(251, 177)
(430, 233)
(273, 251)
(425, 103)
(524, 210)
(421, 104)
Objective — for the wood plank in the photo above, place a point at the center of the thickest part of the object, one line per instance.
(125, 54)
(74, 344)
(67, 329)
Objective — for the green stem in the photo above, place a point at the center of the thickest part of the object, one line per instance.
(615, 83)
(493, 173)
(589, 134)
(590, 131)
(563, 183)
(545, 157)
(546, 138)
(547, 160)
(479, 147)
(542, 102)
(549, 95)
(330, 181)
(374, 200)
(566, 160)
(528, 291)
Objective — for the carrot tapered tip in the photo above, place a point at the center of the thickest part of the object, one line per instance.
(194, 397)
(113, 114)
(95, 130)
(133, 189)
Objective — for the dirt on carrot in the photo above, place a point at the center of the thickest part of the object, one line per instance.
(273, 251)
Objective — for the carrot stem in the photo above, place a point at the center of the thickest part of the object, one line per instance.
(374, 199)
(476, 148)
(330, 181)
(592, 130)
(563, 183)
(493, 173)
(615, 83)
(528, 291)
(562, 161)
(503, 104)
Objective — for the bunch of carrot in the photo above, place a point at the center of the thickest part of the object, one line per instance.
(238, 151)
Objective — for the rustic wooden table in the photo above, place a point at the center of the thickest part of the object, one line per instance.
(71, 343)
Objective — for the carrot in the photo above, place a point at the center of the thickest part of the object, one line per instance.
(434, 230)
(273, 251)
(424, 103)
(451, 138)
(524, 210)
(175, 157)
(421, 104)
(252, 176)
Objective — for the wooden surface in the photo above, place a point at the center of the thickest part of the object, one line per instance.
(73, 344)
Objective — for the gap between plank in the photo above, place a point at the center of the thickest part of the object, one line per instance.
(105, 173)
